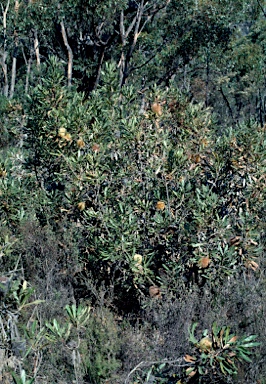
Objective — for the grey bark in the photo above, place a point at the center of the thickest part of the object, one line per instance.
(70, 54)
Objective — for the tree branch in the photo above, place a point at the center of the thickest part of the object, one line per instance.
(261, 7)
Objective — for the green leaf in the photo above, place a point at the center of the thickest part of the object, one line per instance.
(243, 356)
(191, 334)
(226, 336)
(201, 372)
(249, 338)
(224, 370)
(251, 345)
(149, 374)
(35, 302)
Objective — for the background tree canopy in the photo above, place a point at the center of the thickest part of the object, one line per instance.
(132, 191)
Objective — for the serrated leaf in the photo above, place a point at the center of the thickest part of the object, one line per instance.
(191, 334)
(227, 331)
(249, 338)
(222, 368)
(244, 350)
(243, 356)
(251, 345)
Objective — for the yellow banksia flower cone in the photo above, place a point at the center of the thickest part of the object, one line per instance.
(67, 137)
(204, 262)
(80, 143)
(81, 205)
(3, 173)
(160, 205)
(137, 258)
(62, 132)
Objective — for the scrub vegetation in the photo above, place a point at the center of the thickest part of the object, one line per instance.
(132, 192)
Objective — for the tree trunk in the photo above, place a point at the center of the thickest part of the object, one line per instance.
(36, 45)
(13, 76)
(70, 54)
(37, 49)
(14, 61)
(28, 65)
(100, 63)
(4, 53)
(207, 80)
(4, 68)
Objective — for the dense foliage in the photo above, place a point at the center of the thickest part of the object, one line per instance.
(132, 191)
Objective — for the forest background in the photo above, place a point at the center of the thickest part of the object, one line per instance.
(132, 191)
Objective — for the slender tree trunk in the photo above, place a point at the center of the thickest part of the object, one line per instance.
(37, 49)
(36, 45)
(70, 54)
(14, 61)
(13, 76)
(227, 103)
(4, 53)
(100, 63)
(28, 65)
(207, 79)
(125, 59)
(28, 76)
(4, 68)
(136, 26)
